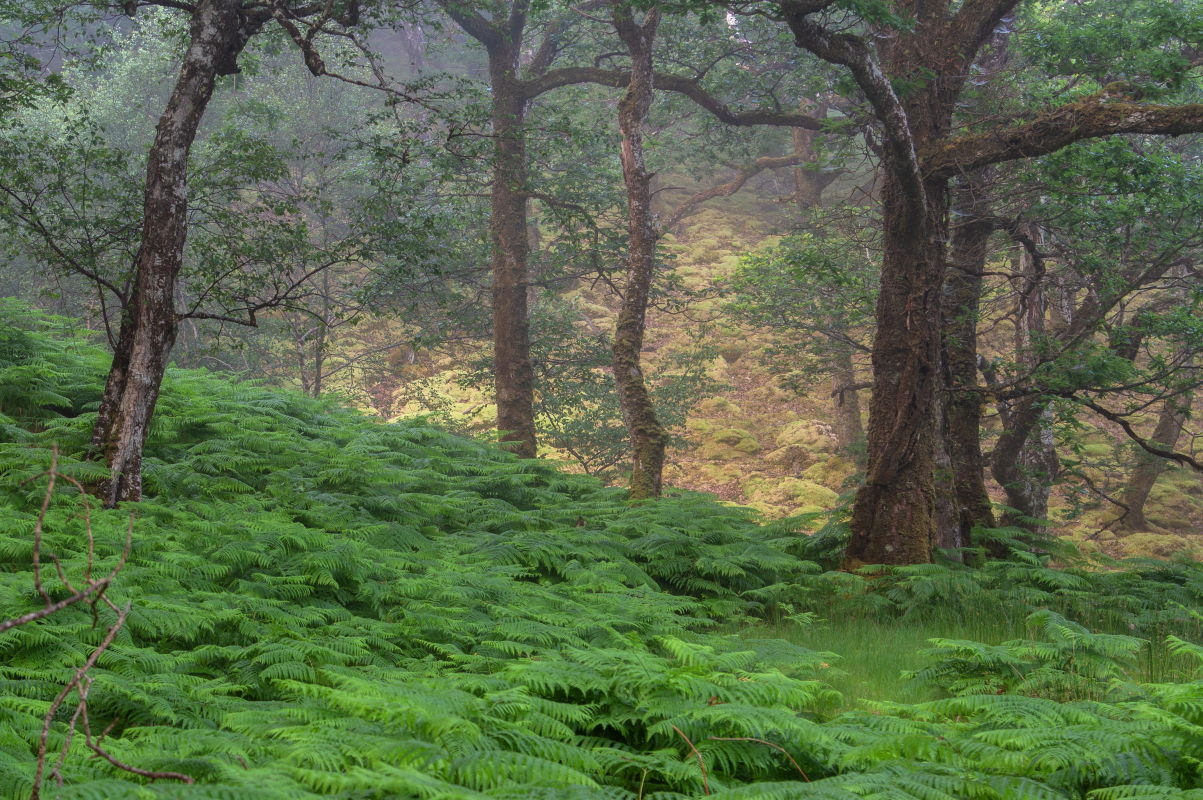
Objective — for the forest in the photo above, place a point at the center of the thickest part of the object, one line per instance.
(625, 399)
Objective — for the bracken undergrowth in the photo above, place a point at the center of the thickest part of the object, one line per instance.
(327, 606)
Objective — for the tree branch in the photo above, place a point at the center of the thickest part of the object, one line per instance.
(691, 205)
(1091, 118)
(689, 87)
(1145, 444)
(852, 52)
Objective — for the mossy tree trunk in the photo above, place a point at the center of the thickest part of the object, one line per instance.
(647, 435)
(513, 372)
(961, 307)
(149, 323)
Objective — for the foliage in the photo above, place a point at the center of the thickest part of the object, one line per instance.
(328, 606)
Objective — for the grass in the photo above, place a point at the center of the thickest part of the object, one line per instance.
(872, 655)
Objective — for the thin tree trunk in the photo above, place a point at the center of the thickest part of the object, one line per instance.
(809, 182)
(646, 433)
(1174, 413)
(849, 430)
(216, 38)
(513, 373)
(1025, 461)
(963, 407)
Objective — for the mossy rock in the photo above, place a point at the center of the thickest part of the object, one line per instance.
(1184, 481)
(770, 511)
(813, 436)
(793, 459)
(1156, 545)
(1098, 450)
(831, 472)
(726, 444)
(1169, 518)
(800, 495)
(719, 407)
(720, 473)
(733, 351)
(701, 427)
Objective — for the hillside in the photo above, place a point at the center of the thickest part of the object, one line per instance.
(323, 605)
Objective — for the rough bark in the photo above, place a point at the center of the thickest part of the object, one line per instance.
(216, 37)
(894, 516)
(638, 413)
(513, 373)
(961, 304)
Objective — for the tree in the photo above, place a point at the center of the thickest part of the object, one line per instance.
(218, 32)
(912, 61)
(647, 435)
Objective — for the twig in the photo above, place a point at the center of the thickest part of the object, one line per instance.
(100, 751)
(773, 745)
(92, 592)
(701, 761)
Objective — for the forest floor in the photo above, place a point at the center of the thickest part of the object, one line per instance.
(323, 605)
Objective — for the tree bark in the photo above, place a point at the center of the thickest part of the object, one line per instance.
(513, 373)
(849, 430)
(216, 37)
(961, 305)
(809, 181)
(1024, 461)
(894, 516)
(639, 415)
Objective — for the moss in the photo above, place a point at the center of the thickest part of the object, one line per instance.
(799, 495)
(793, 458)
(1099, 450)
(1155, 545)
(720, 473)
(811, 435)
(719, 407)
(726, 444)
(831, 472)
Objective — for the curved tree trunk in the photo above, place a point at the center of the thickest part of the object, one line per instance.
(639, 415)
(1174, 413)
(129, 400)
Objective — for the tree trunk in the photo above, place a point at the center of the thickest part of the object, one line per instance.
(1174, 413)
(809, 181)
(963, 407)
(894, 517)
(849, 430)
(513, 373)
(1025, 461)
(134, 381)
(647, 435)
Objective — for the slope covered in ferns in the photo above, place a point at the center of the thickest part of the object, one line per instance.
(327, 606)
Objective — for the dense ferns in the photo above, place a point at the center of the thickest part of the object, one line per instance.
(324, 606)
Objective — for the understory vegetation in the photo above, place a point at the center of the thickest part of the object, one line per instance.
(323, 605)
